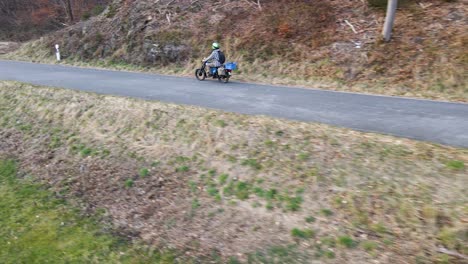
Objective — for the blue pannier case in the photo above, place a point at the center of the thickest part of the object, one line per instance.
(230, 66)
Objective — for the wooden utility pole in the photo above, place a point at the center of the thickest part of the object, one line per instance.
(389, 19)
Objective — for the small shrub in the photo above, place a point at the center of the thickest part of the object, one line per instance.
(448, 238)
(310, 219)
(143, 172)
(304, 234)
(129, 183)
(112, 11)
(346, 241)
(279, 133)
(97, 10)
(377, 3)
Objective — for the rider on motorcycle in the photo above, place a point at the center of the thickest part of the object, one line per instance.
(212, 61)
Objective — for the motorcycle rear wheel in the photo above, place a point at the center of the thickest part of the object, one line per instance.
(224, 79)
(200, 74)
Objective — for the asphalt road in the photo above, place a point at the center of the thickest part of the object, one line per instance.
(439, 122)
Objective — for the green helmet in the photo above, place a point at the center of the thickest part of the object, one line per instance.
(215, 45)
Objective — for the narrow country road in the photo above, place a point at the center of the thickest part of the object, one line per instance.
(440, 122)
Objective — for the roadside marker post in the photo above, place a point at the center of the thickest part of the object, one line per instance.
(57, 52)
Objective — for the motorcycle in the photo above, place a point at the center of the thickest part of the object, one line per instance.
(223, 73)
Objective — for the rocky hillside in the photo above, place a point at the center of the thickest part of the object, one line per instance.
(295, 42)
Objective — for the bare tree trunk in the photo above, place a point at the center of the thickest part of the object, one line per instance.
(389, 19)
(69, 10)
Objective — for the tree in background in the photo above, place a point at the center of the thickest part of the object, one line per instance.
(25, 19)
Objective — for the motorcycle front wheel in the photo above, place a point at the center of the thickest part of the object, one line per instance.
(200, 74)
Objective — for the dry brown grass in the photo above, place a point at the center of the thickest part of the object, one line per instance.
(398, 200)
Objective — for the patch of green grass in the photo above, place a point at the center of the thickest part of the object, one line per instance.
(36, 227)
(212, 191)
(222, 179)
(259, 192)
(448, 238)
(279, 254)
(310, 219)
(304, 233)
(455, 165)
(326, 212)
(220, 123)
(129, 183)
(25, 127)
(182, 159)
(269, 206)
(184, 168)
(271, 194)
(293, 203)
(233, 260)
(269, 143)
(303, 156)
(347, 241)
(143, 172)
(229, 189)
(55, 142)
(379, 228)
(369, 246)
(328, 241)
(253, 163)
(86, 152)
(195, 203)
(242, 190)
(193, 186)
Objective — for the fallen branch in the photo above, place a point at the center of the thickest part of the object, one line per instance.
(351, 26)
(452, 253)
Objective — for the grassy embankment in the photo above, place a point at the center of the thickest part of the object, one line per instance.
(216, 185)
(37, 227)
